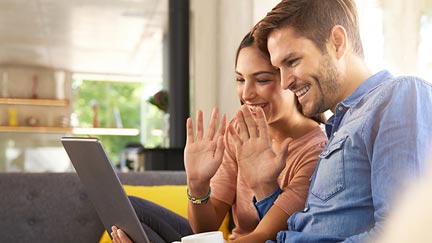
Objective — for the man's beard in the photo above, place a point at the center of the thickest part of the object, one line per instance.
(327, 82)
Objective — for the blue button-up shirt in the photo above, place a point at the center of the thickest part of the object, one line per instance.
(378, 139)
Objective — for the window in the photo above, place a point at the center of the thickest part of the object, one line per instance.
(117, 104)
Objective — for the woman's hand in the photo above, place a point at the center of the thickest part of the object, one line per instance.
(203, 153)
(258, 164)
(118, 236)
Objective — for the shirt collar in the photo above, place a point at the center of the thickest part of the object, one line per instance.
(365, 87)
(369, 84)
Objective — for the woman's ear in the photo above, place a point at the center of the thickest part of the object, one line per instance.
(338, 40)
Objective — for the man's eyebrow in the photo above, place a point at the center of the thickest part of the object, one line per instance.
(284, 59)
(288, 57)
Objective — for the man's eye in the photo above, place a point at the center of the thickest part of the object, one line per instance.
(240, 80)
(293, 62)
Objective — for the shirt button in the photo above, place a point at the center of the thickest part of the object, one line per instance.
(334, 134)
(305, 209)
(340, 108)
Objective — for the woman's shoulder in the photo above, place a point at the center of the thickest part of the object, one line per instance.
(314, 138)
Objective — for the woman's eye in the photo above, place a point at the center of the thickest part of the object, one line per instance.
(263, 80)
(241, 80)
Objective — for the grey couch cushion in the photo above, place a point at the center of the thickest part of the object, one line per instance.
(53, 207)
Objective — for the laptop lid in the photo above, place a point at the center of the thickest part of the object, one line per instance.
(103, 187)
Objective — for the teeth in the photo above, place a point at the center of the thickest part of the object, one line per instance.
(302, 91)
(253, 107)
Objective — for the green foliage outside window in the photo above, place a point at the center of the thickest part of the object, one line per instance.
(125, 96)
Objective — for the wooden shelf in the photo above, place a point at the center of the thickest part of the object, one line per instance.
(76, 131)
(106, 131)
(39, 102)
(36, 129)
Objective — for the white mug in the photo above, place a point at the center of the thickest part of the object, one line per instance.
(207, 237)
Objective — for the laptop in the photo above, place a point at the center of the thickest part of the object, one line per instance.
(103, 187)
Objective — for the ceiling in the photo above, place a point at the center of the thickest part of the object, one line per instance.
(122, 37)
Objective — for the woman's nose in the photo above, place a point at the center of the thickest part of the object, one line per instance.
(249, 91)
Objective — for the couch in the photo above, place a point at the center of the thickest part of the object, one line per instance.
(53, 207)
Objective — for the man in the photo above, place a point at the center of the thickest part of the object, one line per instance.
(378, 134)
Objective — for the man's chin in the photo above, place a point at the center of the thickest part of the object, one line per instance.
(308, 111)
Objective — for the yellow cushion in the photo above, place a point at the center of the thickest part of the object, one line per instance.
(172, 197)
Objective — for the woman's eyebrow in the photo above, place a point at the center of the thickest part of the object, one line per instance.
(262, 72)
(256, 73)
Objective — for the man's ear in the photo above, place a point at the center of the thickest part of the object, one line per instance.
(338, 40)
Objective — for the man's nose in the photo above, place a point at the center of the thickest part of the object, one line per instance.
(287, 79)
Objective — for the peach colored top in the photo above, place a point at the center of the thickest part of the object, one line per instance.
(294, 180)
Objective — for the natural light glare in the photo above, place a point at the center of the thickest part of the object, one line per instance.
(425, 49)
(371, 32)
(386, 44)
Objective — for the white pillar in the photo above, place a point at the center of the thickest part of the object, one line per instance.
(203, 56)
(217, 27)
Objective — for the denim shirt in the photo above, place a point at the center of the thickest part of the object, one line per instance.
(378, 139)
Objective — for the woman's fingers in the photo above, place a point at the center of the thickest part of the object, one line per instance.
(189, 131)
(114, 235)
(252, 125)
(211, 130)
(235, 137)
(250, 122)
(243, 130)
(261, 121)
(222, 125)
(118, 236)
(199, 125)
(123, 237)
(212, 125)
(220, 148)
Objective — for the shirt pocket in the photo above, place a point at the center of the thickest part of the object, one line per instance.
(330, 175)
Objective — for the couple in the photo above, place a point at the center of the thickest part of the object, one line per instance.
(377, 137)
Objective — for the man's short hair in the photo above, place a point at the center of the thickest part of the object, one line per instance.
(313, 19)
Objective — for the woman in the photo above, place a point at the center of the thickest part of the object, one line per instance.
(249, 168)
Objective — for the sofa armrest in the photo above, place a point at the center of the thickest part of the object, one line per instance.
(53, 207)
